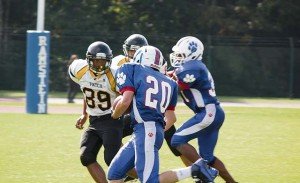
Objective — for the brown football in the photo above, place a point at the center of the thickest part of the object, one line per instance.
(116, 102)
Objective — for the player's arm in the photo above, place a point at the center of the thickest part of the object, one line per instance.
(181, 85)
(185, 79)
(124, 78)
(170, 119)
(82, 119)
(123, 104)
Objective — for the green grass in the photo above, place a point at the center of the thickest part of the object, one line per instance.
(256, 144)
(54, 94)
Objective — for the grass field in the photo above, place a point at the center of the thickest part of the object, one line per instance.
(256, 144)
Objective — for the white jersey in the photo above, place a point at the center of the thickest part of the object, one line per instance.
(118, 61)
(99, 92)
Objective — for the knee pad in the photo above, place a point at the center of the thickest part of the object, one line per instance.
(168, 137)
(87, 159)
(169, 133)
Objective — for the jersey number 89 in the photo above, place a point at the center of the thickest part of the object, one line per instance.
(102, 96)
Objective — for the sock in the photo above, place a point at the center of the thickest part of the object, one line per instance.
(183, 173)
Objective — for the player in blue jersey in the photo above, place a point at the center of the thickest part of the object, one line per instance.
(152, 97)
(197, 89)
(131, 44)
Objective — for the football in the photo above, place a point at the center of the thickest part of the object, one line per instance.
(116, 101)
(118, 98)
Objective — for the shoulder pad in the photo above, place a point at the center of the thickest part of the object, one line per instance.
(77, 69)
(118, 61)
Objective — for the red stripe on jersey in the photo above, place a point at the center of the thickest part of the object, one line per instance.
(127, 88)
(171, 108)
(182, 85)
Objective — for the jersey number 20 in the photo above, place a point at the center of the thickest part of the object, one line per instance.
(152, 94)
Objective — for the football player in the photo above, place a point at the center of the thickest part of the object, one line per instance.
(131, 44)
(96, 80)
(197, 89)
(153, 96)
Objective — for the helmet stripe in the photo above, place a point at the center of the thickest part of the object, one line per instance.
(157, 57)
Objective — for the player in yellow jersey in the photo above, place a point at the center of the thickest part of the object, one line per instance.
(96, 80)
(131, 44)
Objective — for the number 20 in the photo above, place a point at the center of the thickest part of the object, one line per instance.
(154, 90)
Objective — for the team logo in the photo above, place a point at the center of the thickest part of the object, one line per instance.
(192, 47)
(189, 78)
(150, 134)
(121, 77)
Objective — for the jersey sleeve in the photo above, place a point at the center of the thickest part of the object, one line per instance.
(77, 69)
(187, 78)
(174, 97)
(125, 79)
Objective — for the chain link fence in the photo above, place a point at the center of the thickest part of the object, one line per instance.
(241, 66)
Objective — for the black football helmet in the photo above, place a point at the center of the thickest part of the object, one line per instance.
(134, 42)
(98, 51)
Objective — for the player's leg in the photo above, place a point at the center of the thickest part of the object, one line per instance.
(127, 131)
(207, 141)
(90, 146)
(168, 137)
(122, 163)
(148, 139)
(112, 132)
(188, 131)
(97, 172)
(199, 171)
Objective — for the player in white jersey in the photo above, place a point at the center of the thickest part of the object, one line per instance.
(96, 80)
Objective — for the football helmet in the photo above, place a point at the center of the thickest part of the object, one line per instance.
(186, 49)
(150, 56)
(133, 43)
(99, 56)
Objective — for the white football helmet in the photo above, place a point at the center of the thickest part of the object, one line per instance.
(149, 56)
(186, 49)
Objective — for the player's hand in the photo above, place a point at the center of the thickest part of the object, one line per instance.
(80, 121)
(113, 115)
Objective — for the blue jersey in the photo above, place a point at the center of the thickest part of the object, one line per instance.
(197, 84)
(154, 92)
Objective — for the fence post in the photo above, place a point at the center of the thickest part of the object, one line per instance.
(292, 60)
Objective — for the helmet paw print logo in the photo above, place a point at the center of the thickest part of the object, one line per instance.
(193, 47)
(189, 78)
(121, 77)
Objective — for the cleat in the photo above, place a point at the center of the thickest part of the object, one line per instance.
(202, 173)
